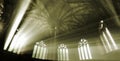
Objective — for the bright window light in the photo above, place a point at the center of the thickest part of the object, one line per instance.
(40, 51)
(16, 21)
(84, 50)
(111, 39)
(106, 38)
(104, 43)
(34, 51)
(63, 52)
(107, 41)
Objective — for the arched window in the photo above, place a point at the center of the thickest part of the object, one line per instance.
(106, 38)
(40, 50)
(63, 52)
(84, 50)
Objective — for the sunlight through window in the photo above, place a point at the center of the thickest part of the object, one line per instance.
(63, 52)
(84, 50)
(40, 50)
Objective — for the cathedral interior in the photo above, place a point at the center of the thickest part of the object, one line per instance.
(59, 30)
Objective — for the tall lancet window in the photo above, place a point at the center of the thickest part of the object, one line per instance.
(40, 51)
(106, 38)
(63, 52)
(84, 50)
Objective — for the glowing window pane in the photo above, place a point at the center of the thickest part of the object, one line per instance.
(34, 51)
(40, 51)
(84, 50)
(63, 52)
(106, 38)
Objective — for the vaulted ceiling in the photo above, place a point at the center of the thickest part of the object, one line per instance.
(46, 18)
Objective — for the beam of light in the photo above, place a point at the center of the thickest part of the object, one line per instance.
(44, 52)
(18, 43)
(16, 46)
(79, 52)
(104, 44)
(67, 54)
(82, 51)
(15, 49)
(26, 29)
(21, 42)
(37, 21)
(89, 53)
(40, 55)
(16, 21)
(18, 38)
(38, 52)
(107, 41)
(41, 52)
(113, 11)
(111, 39)
(85, 51)
(63, 52)
(34, 51)
(108, 5)
(13, 43)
